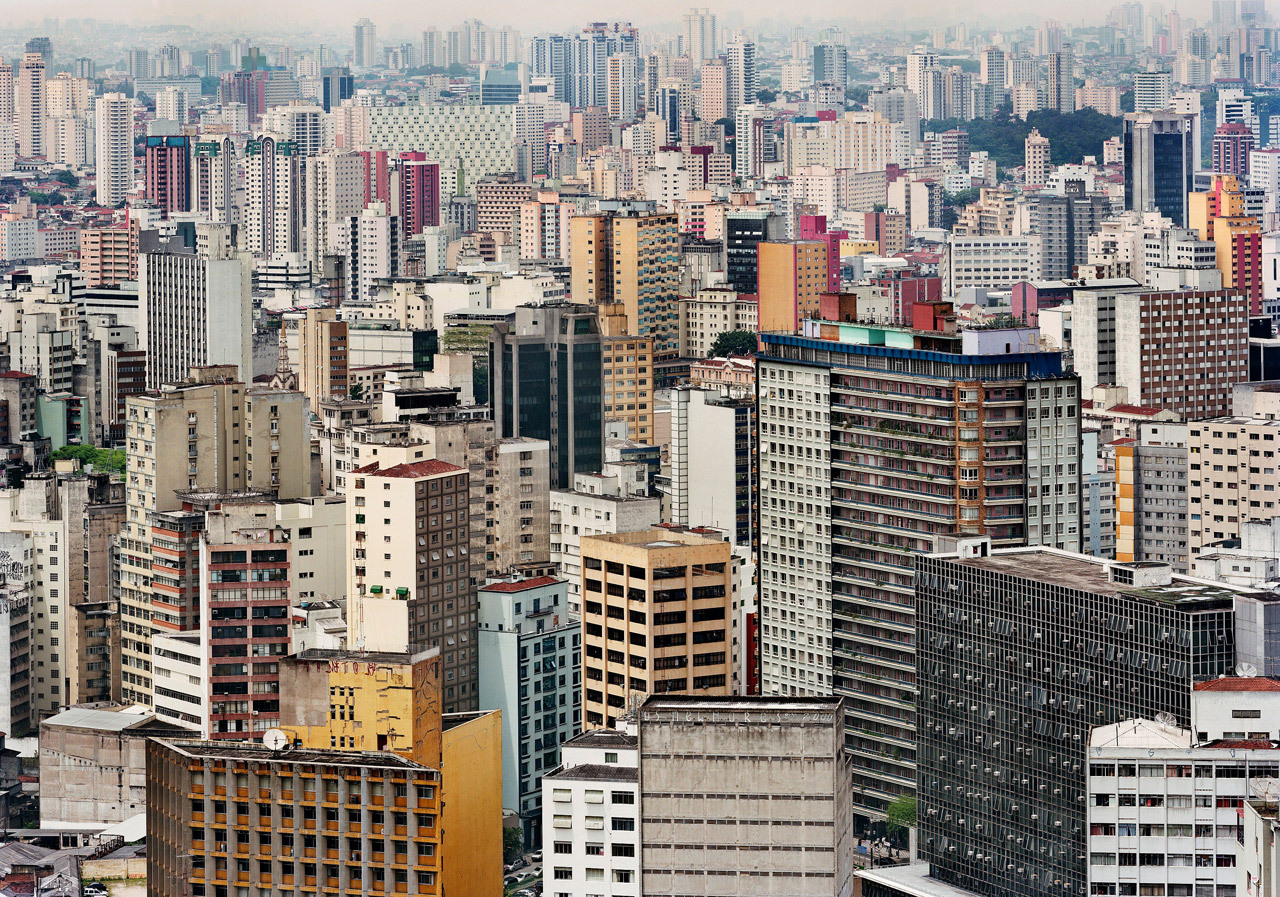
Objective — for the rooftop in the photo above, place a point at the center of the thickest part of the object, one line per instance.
(521, 585)
(592, 772)
(291, 756)
(1239, 683)
(412, 471)
(1139, 733)
(106, 718)
(756, 703)
(912, 880)
(387, 657)
(604, 738)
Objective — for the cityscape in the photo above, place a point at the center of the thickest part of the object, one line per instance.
(698, 452)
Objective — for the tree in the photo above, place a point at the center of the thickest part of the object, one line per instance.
(357, 391)
(209, 85)
(766, 95)
(512, 843)
(107, 460)
(734, 342)
(901, 815)
(66, 177)
(729, 125)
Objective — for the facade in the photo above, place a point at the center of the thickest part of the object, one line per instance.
(744, 231)
(388, 830)
(1151, 496)
(711, 312)
(168, 169)
(1065, 628)
(478, 137)
(713, 463)
(108, 256)
(517, 504)
(1160, 160)
(674, 631)
(419, 192)
(1231, 480)
(700, 787)
(550, 353)
(530, 663)
(272, 215)
(591, 816)
(627, 373)
(114, 141)
(323, 371)
(792, 277)
(1232, 149)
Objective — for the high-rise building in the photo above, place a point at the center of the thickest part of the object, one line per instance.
(740, 58)
(44, 47)
(1159, 163)
(213, 179)
(549, 357)
(627, 377)
(498, 201)
(272, 217)
(1066, 222)
(713, 461)
(790, 279)
(1061, 631)
(673, 628)
(699, 42)
(323, 360)
(744, 230)
(1061, 94)
(171, 105)
(1232, 147)
(713, 92)
(114, 121)
(168, 166)
(371, 243)
(194, 311)
(335, 191)
(364, 41)
(29, 105)
(1152, 91)
(696, 757)
(410, 585)
(336, 85)
(1222, 216)
(631, 258)
(1151, 496)
(1221, 502)
(419, 192)
(1038, 166)
(864, 464)
(623, 87)
(831, 64)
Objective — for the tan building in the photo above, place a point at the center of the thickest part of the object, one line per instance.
(403, 302)
(710, 312)
(108, 255)
(713, 102)
(409, 581)
(518, 507)
(1232, 478)
(323, 371)
(30, 105)
(627, 373)
(792, 278)
(210, 433)
(634, 260)
(498, 202)
(1037, 159)
(659, 610)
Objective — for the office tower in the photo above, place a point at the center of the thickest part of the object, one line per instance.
(168, 166)
(623, 85)
(1159, 163)
(336, 85)
(1221, 502)
(44, 47)
(1232, 146)
(372, 245)
(549, 357)
(1151, 496)
(593, 764)
(1060, 631)
(530, 669)
(631, 258)
(791, 278)
(195, 311)
(831, 64)
(410, 586)
(837, 545)
(1234, 106)
(138, 63)
(364, 39)
(335, 191)
(713, 92)
(272, 216)
(322, 356)
(171, 105)
(114, 121)
(29, 105)
(1181, 350)
(189, 782)
(188, 438)
(419, 192)
(1066, 223)
(1062, 81)
(713, 459)
(744, 230)
(678, 619)
(1152, 91)
(1038, 166)
(213, 179)
(740, 58)
(699, 35)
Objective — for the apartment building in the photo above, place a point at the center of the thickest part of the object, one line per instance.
(791, 278)
(498, 202)
(626, 366)
(876, 444)
(323, 371)
(108, 256)
(659, 615)
(1151, 495)
(1231, 479)
(710, 312)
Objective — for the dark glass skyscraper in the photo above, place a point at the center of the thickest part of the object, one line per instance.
(1159, 163)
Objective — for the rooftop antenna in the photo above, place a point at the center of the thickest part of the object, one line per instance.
(1166, 721)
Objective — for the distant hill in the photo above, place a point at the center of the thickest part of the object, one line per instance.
(1071, 137)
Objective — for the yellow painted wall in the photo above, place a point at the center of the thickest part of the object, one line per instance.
(1126, 535)
(471, 788)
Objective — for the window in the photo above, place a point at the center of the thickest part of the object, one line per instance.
(622, 797)
(595, 849)
(564, 847)
(624, 850)
(562, 874)
(623, 825)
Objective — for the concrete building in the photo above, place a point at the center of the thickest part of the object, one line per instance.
(30, 105)
(271, 219)
(517, 505)
(409, 587)
(710, 312)
(674, 631)
(1160, 160)
(700, 784)
(114, 141)
(323, 357)
(1231, 480)
(627, 378)
(108, 256)
(713, 463)
(530, 669)
(614, 501)
(792, 277)
(1151, 496)
(989, 262)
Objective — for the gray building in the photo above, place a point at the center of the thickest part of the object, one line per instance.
(1020, 654)
(1065, 225)
(1160, 464)
(744, 796)
(545, 374)
(1159, 163)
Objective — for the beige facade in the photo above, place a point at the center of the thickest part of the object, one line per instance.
(658, 613)
(498, 202)
(323, 371)
(518, 508)
(1232, 478)
(627, 375)
(711, 312)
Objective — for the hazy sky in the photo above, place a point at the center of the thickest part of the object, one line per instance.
(399, 17)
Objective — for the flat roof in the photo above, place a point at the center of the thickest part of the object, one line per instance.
(739, 702)
(106, 719)
(362, 656)
(595, 772)
(292, 756)
(604, 738)
(912, 879)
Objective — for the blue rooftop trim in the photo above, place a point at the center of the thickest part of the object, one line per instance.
(1039, 364)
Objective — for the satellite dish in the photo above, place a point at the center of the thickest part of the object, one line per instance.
(1166, 720)
(275, 740)
(1246, 670)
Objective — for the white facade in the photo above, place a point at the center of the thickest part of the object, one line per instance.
(171, 105)
(989, 262)
(334, 191)
(179, 676)
(709, 313)
(795, 532)
(17, 238)
(477, 137)
(114, 139)
(371, 243)
(591, 818)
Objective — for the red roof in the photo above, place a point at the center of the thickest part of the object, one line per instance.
(535, 583)
(412, 471)
(1134, 409)
(1248, 744)
(1239, 683)
(16, 375)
